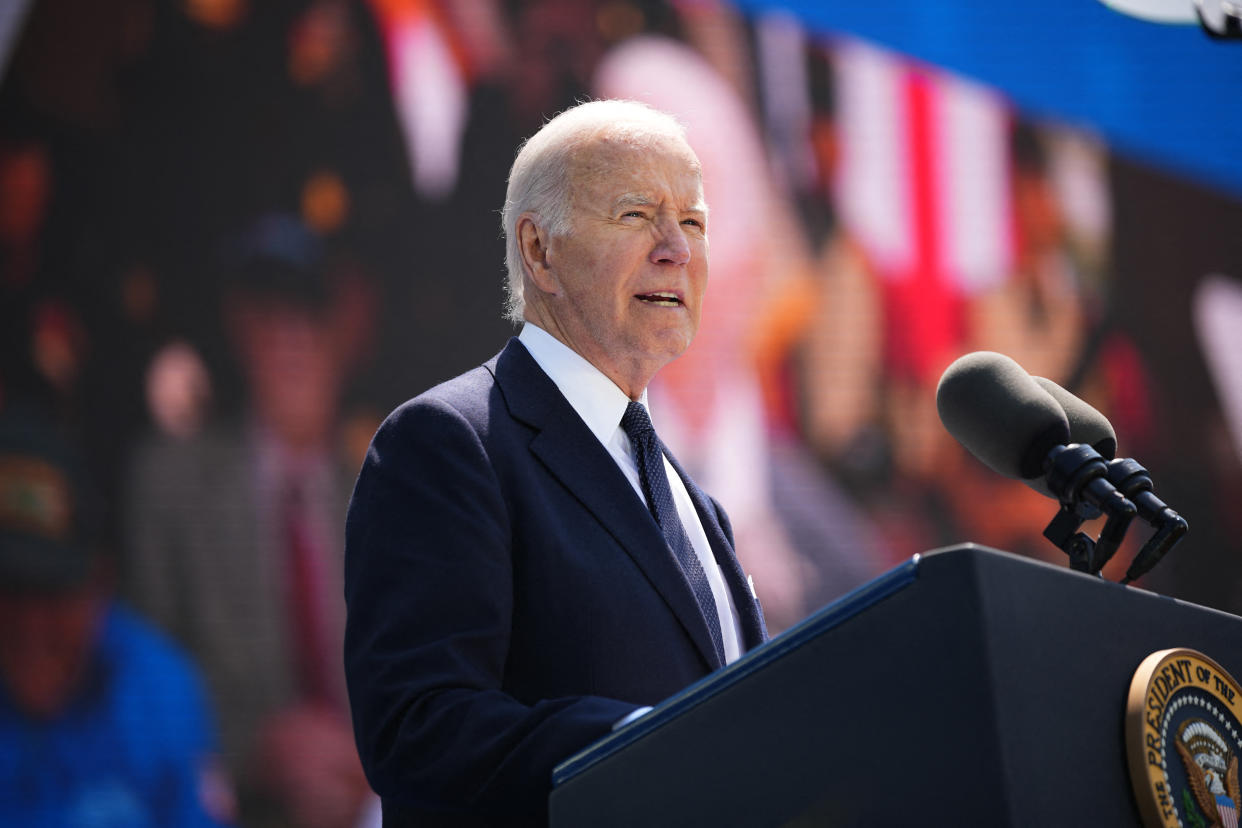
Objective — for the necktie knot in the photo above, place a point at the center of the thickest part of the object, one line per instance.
(637, 424)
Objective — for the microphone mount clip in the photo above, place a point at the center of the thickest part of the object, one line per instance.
(1078, 476)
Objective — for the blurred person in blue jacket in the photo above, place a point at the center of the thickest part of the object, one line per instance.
(103, 722)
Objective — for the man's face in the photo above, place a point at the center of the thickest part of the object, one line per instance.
(46, 644)
(632, 270)
(292, 363)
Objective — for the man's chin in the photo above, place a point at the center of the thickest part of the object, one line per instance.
(674, 343)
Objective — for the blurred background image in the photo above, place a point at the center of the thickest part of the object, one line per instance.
(234, 234)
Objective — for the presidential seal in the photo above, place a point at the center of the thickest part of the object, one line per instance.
(1183, 740)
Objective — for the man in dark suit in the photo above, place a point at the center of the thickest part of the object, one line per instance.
(524, 569)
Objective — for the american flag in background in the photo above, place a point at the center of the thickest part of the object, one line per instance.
(924, 187)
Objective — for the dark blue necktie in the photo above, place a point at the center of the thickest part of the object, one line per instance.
(649, 454)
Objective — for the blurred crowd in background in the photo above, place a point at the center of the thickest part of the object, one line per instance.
(234, 234)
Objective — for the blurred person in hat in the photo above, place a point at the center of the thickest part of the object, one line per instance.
(103, 721)
(235, 532)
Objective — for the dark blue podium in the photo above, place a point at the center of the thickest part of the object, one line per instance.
(965, 687)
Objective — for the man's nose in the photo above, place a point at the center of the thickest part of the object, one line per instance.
(671, 245)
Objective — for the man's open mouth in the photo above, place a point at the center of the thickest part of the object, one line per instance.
(660, 297)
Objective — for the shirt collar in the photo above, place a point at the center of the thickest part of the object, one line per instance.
(596, 399)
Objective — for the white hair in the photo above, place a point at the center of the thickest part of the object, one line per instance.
(539, 178)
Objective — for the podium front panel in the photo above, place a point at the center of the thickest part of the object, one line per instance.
(967, 686)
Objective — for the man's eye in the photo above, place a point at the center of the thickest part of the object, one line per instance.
(693, 223)
(634, 213)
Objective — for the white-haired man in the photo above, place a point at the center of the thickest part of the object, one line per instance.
(525, 566)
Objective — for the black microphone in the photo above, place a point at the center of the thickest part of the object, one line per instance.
(1017, 428)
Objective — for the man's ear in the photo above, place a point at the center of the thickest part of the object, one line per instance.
(533, 245)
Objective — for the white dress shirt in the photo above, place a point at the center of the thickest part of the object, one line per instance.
(601, 404)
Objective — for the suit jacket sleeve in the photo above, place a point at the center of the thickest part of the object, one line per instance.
(429, 588)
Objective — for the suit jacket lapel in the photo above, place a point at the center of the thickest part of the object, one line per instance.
(573, 455)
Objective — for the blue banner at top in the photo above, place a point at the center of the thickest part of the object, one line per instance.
(1166, 94)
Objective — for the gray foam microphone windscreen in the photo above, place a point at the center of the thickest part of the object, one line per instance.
(1000, 414)
(1086, 424)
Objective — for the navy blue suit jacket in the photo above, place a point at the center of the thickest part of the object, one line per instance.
(509, 598)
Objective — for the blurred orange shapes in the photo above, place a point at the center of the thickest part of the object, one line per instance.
(216, 14)
(325, 202)
(356, 433)
(319, 43)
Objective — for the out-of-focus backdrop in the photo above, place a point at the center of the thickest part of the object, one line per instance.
(235, 233)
